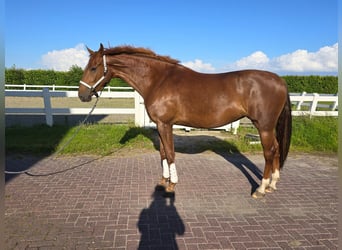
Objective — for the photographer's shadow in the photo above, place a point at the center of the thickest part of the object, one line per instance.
(160, 222)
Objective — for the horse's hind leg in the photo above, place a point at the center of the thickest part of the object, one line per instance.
(271, 155)
(275, 170)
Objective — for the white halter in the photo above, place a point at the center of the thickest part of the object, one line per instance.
(92, 88)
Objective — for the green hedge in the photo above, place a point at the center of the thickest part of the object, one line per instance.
(49, 77)
(43, 77)
(310, 84)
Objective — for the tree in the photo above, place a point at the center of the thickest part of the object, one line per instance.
(74, 75)
(14, 75)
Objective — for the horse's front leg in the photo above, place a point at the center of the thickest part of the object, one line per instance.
(165, 166)
(167, 154)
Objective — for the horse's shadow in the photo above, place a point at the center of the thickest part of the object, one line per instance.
(193, 145)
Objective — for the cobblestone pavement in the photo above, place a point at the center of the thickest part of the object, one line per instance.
(112, 203)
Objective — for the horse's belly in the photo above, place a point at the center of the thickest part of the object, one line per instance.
(209, 119)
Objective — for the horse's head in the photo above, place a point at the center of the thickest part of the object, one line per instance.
(95, 75)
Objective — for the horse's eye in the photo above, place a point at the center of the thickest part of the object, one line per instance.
(93, 69)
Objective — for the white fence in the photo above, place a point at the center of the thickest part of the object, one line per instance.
(306, 104)
(57, 87)
(315, 104)
(139, 111)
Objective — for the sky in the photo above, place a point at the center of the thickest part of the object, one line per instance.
(292, 37)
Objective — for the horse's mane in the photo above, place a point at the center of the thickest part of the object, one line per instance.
(140, 52)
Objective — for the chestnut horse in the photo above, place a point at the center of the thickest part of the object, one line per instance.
(175, 94)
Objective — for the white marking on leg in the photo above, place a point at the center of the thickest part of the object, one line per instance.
(166, 170)
(263, 185)
(276, 175)
(173, 173)
(275, 178)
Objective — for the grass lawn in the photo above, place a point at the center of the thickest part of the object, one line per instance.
(318, 134)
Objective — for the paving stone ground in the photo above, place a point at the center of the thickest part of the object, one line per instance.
(112, 203)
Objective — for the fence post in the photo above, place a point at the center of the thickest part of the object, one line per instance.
(314, 104)
(47, 107)
(235, 125)
(139, 110)
(299, 104)
(335, 105)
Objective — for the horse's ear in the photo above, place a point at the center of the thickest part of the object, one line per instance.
(101, 49)
(90, 51)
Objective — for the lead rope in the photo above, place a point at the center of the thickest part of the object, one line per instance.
(63, 146)
(77, 130)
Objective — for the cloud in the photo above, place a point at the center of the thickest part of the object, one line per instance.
(325, 60)
(256, 60)
(62, 60)
(199, 65)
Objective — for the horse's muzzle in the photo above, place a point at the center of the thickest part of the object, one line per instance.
(85, 97)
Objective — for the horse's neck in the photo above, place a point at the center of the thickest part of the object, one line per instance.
(136, 71)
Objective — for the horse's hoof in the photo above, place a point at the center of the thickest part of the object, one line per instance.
(163, 182)
(257, 195)
(170, 188)
(270, 189)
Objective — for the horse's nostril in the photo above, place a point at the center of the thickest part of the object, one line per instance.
(85, 98)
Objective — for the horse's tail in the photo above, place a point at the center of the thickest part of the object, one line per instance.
(284, 130)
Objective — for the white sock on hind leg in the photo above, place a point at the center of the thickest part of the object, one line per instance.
(173, 173)
(166, 170)
(275, 178)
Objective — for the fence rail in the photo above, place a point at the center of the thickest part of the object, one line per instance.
(28, 87)
(304, 104)
(139, 111)
(315, 104)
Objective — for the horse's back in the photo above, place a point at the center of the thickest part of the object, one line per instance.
(245, 88)
(243, 82)
(249, 81)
